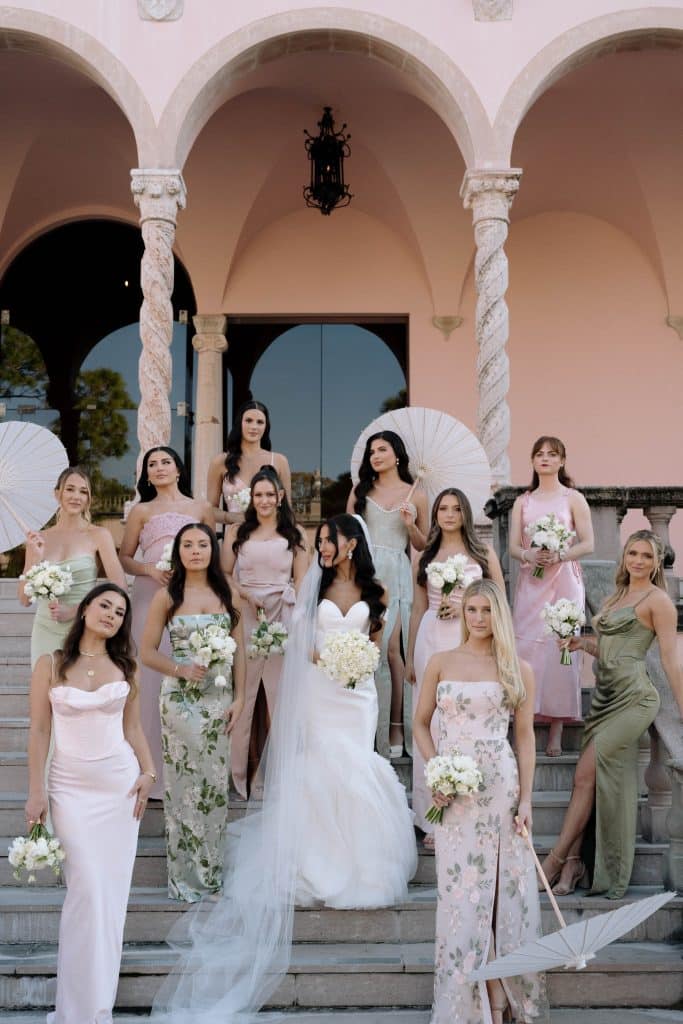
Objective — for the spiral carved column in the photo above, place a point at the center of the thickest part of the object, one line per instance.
(158, 195)
(209, 342)
(489, 195)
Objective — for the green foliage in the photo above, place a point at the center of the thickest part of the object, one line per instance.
(397, 401)
(22, 369)
(104, 426)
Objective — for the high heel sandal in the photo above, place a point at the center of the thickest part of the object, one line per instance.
(396, 749)
(552, 876)
(577, 874)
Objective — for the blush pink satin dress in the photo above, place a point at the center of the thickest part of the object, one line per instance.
(92, 772)
(158, 531)
(433, 635)
(264, 571)
(558, 687)
(231, 489)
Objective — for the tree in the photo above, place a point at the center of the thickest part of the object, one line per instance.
(397, 401)
(22, 368)
(101, 394)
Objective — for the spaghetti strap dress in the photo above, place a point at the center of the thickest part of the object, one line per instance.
(47, 635)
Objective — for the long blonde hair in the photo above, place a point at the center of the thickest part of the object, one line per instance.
(61, 483)
(503, 640)
(622, 578)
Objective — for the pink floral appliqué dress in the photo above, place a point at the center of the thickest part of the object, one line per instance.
(481, 862)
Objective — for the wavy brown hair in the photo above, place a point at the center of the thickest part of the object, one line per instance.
(474, 547)
(119, 647)
(286, 523)
(215, 577)
(558, 447)
(622, 578)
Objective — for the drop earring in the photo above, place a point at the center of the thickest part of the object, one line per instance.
(350, 555)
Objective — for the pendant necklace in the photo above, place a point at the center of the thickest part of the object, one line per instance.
(86, 654)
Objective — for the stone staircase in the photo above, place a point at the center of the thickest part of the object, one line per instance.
(370, 967)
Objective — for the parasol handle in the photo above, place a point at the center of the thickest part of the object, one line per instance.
(15, 515)
(542, 876)
(410, 493)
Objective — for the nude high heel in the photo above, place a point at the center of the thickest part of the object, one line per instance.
(396, 749)
(578, 871)
(553, 875)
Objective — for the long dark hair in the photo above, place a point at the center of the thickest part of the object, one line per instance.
(233, 451)
(119, 647)
(215, 576)
(367, 475)
(558, 447)
(371, 589)
(473, 546)
(286, 523)
(148, 491)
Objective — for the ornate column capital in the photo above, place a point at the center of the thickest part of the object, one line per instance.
(210, 336)
(489, 194)
(158, 193)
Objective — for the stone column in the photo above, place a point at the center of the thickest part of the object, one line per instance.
(158, 195)
(210, 343)
(489, 195)
(660, 516)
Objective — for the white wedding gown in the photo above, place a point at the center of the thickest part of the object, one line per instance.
(358, 846)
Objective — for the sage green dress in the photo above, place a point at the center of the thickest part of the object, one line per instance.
(624, 705)
(196, 767)
(47, 635)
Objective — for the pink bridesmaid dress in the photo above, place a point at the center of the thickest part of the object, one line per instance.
(158, 531)
(433, 635)
(231, 489)
(92, 772)
(558, 687)
(264, 571)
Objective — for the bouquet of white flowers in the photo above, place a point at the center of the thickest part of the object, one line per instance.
(453, 775)
(349, 657)
(164, 562)
(47, 581)
(212, 645)
(564, 618)
(267, 639)
(34, 853)
(449, 575)
(549, 533)
(243, 498)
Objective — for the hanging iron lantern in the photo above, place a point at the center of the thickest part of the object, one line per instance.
(326, 153)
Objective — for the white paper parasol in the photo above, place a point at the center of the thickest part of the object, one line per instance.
(31, 459)
(443, 452)
(574, 944)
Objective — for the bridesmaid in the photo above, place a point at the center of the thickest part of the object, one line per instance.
(249, 448)
(75, 542)
(98, 785)
(435, 621)
(381, 498)
(267, 556)
(198, 712)
(624, 705)
(166, 504)
(487, 901)
(558, 687)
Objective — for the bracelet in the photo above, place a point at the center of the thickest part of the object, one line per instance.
(153, 775)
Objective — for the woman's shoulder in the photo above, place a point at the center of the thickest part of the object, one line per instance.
(280, 457)
(218, 461)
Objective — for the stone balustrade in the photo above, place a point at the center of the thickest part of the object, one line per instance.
(663, 814)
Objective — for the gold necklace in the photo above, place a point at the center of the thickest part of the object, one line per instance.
(86, 654)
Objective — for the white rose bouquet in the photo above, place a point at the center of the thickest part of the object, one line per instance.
(449, 575)
(564, 618)
(452, 774)
(550, 534)
(243, 498)
(47, 581)
(164, 562)
(212, 645)
(267, 639)
(347, 657)
(35, 852)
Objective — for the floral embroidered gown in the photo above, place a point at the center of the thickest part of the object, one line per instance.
(481, 862)
(196, 766)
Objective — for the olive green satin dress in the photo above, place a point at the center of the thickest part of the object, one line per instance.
(624, 705)
(47, 635)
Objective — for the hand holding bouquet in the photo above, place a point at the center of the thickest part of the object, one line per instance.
(452, 775)
(242, 499)
(549, 534)
(449, 575)
(212, 645)
(349, 657)
(267, 639)
(36, 852)
(47, 581)
(164, 563)
(564, 619)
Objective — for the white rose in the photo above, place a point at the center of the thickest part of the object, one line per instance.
(220, 681)
(437, 581)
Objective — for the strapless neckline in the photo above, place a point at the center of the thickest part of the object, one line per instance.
(74, 558)
(79, 689)
(344, 615)
(469, 682)
(382, 508)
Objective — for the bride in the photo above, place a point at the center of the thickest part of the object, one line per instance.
(334, 828)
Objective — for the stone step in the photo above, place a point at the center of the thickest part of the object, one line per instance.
(571, 736)
(15, 646)
(560, 1015)
(16, 621)
(13, 734)
(13, 698)
(31, 915)
(15, 671)
(368, 975)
